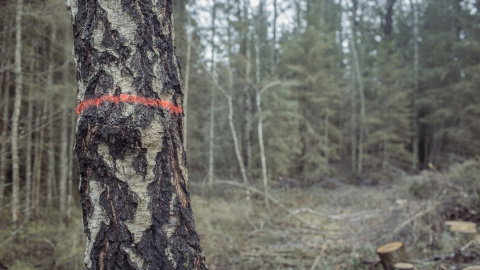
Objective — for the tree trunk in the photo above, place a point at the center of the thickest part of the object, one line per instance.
(4, 139)
(28, 156)
(64, 115)
(129, 141)
(71, 135)
(416, 89)
(229, 97)
(326, 137)
(353, 132)
(360, 86)
(387, 27)
(392, 253)
(39, 159)
(63, 161)
(211, 139)
(263, 158)
(235, 141)
(274, 39)
(187, 82)
(247, 102)
(51, 136)
(16, 114)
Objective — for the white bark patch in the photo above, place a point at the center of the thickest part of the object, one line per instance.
(152, 140)
(95, 221)
(120, 20)
(121, 81)
(168, 253)
(72, 6)
(157, 83)
(135, 258)
(98, 35)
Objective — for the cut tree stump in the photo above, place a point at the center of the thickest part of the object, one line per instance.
(403, 266)
(392, 253)
(462, 226)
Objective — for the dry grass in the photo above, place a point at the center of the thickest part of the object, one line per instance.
(312, 228)
(341, 229)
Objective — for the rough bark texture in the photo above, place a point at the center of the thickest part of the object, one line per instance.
(129, 140)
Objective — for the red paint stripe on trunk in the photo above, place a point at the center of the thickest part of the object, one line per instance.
(153, 102)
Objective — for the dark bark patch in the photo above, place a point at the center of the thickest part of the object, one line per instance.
(140, 163)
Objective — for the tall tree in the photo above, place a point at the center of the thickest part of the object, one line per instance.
(129, 141)
(360, 86)
(4, 137)
(16, 114)
(416, 62)
(211, 138)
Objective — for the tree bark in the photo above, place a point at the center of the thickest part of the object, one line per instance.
(360, 86)
(247, 101)
(387, 27)
(263, 158)
(28, 157)
(51, 136)
(211, 139)
(416, 89)
(71, 135)
(274, 39)
(353, 131)
(4, 139)
(63, 161)
(187, 82)
(16, 114)
(129, 141)
(229, 98)
(39, 159)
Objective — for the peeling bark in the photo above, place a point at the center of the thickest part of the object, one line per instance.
(134, 183)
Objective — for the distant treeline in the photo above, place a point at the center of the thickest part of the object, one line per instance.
(349, 88)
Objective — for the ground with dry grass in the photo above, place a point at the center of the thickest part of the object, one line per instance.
(306, 228)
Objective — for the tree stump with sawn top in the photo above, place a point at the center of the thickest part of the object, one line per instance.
(392, 253)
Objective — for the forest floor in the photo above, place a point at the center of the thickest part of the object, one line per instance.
(305, 228)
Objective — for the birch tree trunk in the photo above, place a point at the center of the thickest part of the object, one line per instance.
(63, 161)
(211, 139)
(129, 141)
(360, 86)
(16, 114)
(263, 158)
(274, 39)
(71, 135)
(51, 136)
(229, 97)
(187, 82)
(353, 132)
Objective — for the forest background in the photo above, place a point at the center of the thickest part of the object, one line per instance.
(351, 106)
